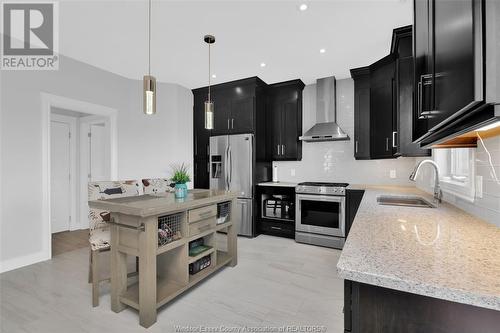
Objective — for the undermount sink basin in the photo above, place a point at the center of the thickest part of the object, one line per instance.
(410, 201)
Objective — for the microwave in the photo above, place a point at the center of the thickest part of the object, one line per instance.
(278, 207)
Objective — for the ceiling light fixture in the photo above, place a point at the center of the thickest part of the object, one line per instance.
(322, 50)
(209, 104)
(303, 7)
(149, 81)
(262, 64)
(214, 76)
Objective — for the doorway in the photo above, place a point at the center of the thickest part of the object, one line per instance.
(79, 153)
(79, 146)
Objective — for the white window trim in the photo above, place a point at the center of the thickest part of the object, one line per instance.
(464, 191)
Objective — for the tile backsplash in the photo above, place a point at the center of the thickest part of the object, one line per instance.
(334, 161)
(486, 205)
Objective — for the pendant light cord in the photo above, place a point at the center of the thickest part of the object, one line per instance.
(209, 73)
(149, 38)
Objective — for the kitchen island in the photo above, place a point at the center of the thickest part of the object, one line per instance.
(410, 269)
(161, 231)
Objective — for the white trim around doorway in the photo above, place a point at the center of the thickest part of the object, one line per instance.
(49, 101)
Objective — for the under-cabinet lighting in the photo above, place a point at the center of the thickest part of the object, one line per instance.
(489, 126)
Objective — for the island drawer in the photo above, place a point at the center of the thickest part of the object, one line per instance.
(202, 213)
(201, 226)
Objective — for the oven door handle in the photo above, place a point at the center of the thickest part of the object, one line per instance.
(313, 197)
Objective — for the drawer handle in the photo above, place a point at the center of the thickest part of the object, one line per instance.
(206, 214)
(276, 228)
(205, 227)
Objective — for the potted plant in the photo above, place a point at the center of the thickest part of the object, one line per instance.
(180, 177)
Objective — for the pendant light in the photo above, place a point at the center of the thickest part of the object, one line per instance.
(209, 104)
(149, 81)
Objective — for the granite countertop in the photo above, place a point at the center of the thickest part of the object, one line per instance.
(161, 203)
(439, 252)
(279, 184)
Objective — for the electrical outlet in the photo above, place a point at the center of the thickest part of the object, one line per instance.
(392, 173)
(479, 186)
(292, 172)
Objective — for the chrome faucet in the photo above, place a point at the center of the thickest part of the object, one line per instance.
(438, 194)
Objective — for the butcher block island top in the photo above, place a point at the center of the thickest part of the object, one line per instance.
(178, 242)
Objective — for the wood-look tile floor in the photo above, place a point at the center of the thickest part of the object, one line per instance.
(67, 241)
(276, 282)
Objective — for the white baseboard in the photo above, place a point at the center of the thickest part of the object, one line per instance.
(30, 259)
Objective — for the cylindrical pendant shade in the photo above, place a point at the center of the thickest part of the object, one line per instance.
(149, 98)
(209, 115)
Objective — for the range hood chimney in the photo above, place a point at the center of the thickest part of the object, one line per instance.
(326, 128)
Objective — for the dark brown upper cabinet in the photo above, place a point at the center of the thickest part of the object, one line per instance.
(239, 108)
(236, 106)
(361, 78)
(402, 136)
(374, 109)
(382, 108)
(284, 127)
(456, 53)
(383, 103)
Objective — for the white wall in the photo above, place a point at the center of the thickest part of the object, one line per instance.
(334, 161)
(147, 146)
(487, 166)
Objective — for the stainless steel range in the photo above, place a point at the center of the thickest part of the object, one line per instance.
(320, 214)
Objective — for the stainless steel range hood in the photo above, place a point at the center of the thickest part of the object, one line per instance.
(326, 127)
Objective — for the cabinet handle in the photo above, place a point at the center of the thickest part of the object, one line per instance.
(282, 149)
(394, 140)
(232, 123)
(419, 98)
(227, 123)
(278, 147)
(276, 228)
(208, 167)
(386, 144)
(356, 146)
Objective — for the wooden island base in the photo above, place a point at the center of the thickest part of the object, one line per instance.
(164, 268)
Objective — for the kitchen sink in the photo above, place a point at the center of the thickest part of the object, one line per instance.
(410, 201)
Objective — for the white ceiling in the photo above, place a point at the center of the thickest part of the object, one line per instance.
(112, 35)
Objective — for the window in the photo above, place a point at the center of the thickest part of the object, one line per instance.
(457, 172)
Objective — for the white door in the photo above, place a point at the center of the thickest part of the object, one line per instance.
(60, 166)
(99, 155)
(95, 157)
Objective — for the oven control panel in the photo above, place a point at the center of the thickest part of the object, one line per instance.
(324, 190)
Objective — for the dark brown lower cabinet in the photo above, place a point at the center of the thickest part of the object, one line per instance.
(372, 309)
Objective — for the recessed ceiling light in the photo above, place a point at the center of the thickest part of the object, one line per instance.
(303, 7)
(322, 50)
(214, 76)
(262, 64)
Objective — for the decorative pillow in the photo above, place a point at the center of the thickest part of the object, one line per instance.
(157, 185)
(98, 219)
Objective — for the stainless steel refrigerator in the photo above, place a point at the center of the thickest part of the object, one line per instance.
(231, 168)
